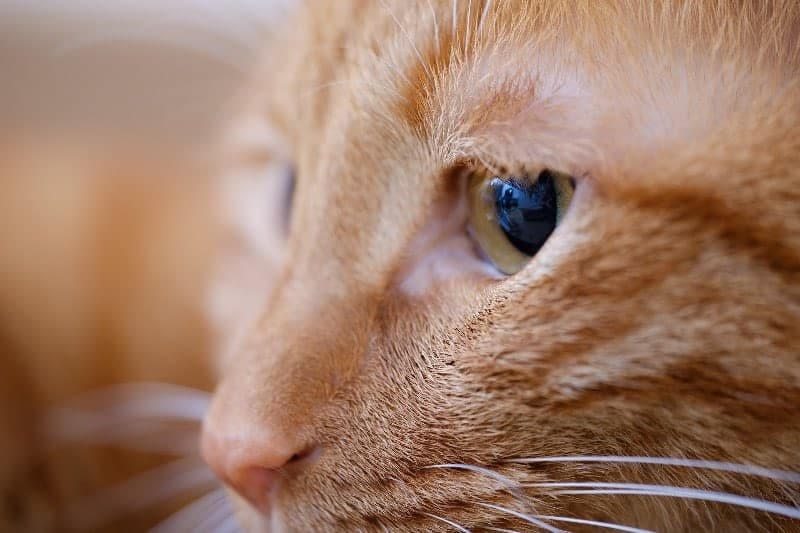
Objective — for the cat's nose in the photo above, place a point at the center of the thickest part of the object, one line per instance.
(253, 463)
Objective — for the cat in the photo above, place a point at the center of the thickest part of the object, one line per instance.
(516, 266)
(541, 271)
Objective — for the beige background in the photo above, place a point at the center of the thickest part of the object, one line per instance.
(164, 69)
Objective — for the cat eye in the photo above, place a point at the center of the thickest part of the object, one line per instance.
(289, 186)
(511, 217)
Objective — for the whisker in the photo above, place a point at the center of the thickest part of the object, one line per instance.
(139, 492)
(522, 516)
(151, 417)
(483, 15)
(604, 525)
(435, 27)
(310, 91)
(507, 481)
(737, 468)
(219, 514)
(191, 516)
(147, 400)
(150, 436)
(229, 526)
(456, 526)
(455, 18)
(467, 37)
(509, 484)
(408, 38)
(669, 491)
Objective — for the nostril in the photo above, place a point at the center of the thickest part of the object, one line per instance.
(254, 464)
(256, 485)
(308, 454)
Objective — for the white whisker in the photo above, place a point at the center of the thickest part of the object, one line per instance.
(483, 15)
(310, 91)
(193, 515)
(408, 38)
(457, 527)
(604, 525)
(147, 400)
(455, 19)
(151, 417)
(219, 515)
(229, 526)
(507, 481)
(522, 516)
(779, 475)
(511, 485)
(139, 492)
(435, 26)
(468, 34)
(501, 530)
(669, 491)
(152, 436)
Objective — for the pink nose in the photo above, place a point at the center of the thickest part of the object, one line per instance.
(252, 463)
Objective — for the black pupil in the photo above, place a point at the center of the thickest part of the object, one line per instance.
(526, 211)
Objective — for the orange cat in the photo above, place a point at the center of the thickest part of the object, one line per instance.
(542, 272)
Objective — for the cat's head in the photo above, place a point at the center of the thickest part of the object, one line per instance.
(425, 363)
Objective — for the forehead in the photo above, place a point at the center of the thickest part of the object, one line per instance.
(577, 86)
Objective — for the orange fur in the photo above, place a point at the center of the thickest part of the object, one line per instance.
(660, 319)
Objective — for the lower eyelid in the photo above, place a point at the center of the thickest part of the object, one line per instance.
(454, 258)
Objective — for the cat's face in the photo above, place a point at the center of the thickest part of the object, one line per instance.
(659, 319)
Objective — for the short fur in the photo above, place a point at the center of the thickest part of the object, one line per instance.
(661, 318)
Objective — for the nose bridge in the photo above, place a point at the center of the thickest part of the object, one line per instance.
(262, 417)
(308, 342)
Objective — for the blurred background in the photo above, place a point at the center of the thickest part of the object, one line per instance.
(110, 238)
(164, 68)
